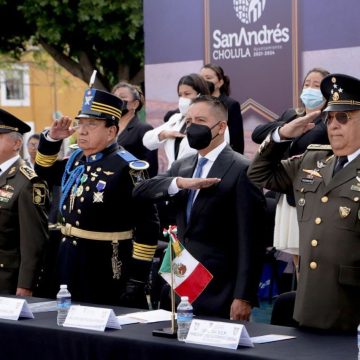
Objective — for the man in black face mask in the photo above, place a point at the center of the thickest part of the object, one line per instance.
(217, 212)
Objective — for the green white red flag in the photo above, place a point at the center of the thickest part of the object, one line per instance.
(190, 277)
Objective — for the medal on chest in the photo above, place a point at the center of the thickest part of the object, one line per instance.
(99, 195)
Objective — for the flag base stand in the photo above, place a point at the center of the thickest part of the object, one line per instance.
(165, 332)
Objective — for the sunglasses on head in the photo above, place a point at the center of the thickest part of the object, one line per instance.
(342, 117)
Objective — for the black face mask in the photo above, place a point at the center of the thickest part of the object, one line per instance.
(199, 136)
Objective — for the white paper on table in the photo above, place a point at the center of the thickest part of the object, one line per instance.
(125, 320)
(12, 309)
(43, 306)
(150, 316)
(219, 334)
(270, 338)
(91, 318)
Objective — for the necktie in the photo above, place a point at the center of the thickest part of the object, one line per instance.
(341, 161)
(197, 174)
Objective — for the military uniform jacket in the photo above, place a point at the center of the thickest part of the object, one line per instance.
(23, 227)
(328, 209)
(103, 200)
(223, 231)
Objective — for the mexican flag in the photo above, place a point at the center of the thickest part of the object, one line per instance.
(190, 278)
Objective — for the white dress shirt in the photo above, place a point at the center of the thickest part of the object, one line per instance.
(7, 164)
(211, 156)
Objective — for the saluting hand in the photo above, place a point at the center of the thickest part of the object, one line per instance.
(196, 183)
(298, 126)
(61, 129)
(170, 134)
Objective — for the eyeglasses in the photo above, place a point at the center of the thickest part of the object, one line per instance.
(341, 117)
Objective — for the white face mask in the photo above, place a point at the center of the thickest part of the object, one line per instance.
(312, 98)
(184, 104)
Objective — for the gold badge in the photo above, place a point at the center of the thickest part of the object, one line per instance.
(108, 173)
(12, 170)
(8, 187)
(335, 96)
(137, 176)
(333, 79)
(344, 211)
(312, 173)
(39, 194)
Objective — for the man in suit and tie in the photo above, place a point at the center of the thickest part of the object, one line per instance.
(218, 212)
(326, 183)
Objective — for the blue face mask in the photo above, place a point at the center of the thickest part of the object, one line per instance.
(312, 98)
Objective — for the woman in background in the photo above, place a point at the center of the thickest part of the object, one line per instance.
(131, 128)
(215, 74)
(286, 232)
(171, 134)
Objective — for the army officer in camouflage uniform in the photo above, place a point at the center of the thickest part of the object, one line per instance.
(326, 182)
(109, 239)
(23, 217)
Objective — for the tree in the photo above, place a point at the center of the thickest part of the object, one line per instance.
(81, 35)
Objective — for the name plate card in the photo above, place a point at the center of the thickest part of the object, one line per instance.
(91, 318)
(219, 334)
(12, 309)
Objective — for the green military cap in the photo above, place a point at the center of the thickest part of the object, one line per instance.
(342, 92)
(10, 123)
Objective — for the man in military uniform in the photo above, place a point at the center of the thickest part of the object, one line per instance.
(326, 182)
(23, 218)
(109, 239)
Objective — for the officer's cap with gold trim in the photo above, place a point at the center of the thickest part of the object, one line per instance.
(342, 92)
(100, 105)
(10, 123)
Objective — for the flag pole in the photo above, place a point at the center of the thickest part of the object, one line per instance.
(172, 331)
(172, 292)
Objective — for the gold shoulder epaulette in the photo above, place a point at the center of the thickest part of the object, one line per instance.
(319, 147)
(28, 172)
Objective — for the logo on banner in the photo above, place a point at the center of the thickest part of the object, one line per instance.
(249, 11)
(249, 40)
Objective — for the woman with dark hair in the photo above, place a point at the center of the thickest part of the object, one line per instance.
(131, 128)
(171, 134)
(216, 75)
(286, 233)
